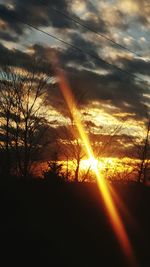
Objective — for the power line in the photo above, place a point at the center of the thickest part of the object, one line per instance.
(79, 22)
(78, 49)
(94, 31)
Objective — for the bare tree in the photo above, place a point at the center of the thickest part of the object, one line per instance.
(142, 148)
(77, 154)
(22, 114)
(7, 103)
(70, 141)
(71, 148)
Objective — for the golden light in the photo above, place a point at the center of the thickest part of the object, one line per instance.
(90, 163)
(110, 207)
(109, 166)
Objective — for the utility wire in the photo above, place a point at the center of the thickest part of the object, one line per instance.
(78, 49)
(75, 20)
(81, 23)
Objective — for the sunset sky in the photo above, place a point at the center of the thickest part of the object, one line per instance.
(106, 96)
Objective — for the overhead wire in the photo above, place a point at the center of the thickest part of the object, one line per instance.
(95, 31)
(84, 25)
(30, 25)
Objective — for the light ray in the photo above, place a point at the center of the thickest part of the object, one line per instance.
(110, 207)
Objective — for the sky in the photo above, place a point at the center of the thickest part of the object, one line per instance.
(106, 96)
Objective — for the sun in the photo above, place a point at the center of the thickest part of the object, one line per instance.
(91, 163)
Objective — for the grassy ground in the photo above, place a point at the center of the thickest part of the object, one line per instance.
(66, 225)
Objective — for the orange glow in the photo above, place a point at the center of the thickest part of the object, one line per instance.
(110, 207)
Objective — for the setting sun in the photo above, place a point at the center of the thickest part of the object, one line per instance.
(90, 163)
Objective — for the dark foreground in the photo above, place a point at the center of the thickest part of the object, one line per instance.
(66, 225)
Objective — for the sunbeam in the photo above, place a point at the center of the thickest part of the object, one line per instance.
(110, 207)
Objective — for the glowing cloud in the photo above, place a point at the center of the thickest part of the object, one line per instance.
(129, 6)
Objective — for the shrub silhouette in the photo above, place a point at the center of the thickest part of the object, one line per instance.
(54, 172)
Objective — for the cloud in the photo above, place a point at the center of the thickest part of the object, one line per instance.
(103, 16)
(17, 58)
(83, 71)
(42, 13)
(135, 65)
(137, 10)
(7, 15)
(7, 36)
(129, 6)
(113, 87)
(39, 13)
(86, 53)
(121, 91)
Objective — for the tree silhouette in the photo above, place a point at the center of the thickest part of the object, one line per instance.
(54, 173)
(7, 103)
(143, 153)
(23, 120)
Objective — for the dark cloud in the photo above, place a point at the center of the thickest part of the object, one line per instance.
(13, 57)
(44, 13)
(97, 25)
(39, 13)
(7, 36)
(8, 16)
(117, 88)
(17, 58)
(122, 93)
(136, 65)
(86, 55)
(94, 20)
(83, 53)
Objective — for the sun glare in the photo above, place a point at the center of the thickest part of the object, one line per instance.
(111, 209)
(90, 163)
